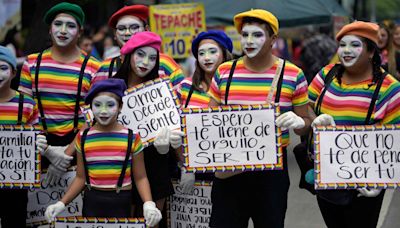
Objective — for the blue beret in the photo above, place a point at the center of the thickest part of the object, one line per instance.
(67, 8)
(112, 85)
(7, 56)
(218, 36)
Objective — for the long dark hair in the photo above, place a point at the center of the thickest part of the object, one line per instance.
(376, 63)
(125, 70)
(199, 75)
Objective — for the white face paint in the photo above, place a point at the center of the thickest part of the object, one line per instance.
(126, 27)
(143, 60)
(209, 56)
(252, 39)
(5, 73)
(350, 48)
(105, 109)
(64, 29)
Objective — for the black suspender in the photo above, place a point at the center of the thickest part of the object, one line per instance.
(20, 108)
(228, 83)
(124, 165)
(374, 98)
(78, 94)
(189, 95)
(111, 68)
(279, 85)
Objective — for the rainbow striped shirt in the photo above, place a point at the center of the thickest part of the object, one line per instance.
(198, 98)
(58, 83)
(248, 87)
(105, 154)
(9, 111)
(168, 68)
(348, 103)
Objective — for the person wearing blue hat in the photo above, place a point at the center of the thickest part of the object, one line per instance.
(58, 78)
(107, 152)
(210, 48)
(15, 109)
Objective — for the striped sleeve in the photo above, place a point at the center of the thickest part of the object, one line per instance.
(77, 141)
(317, 83)
(137, 145)
(215, 87)
(300, 95)
(392, 102)
(25, 83)
(171, 69)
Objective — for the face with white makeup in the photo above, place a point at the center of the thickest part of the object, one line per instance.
(352, 51)
(256, 39)
(64, 30)
(126, 27)
(209, 55)
(143, 60)
(6, 75)
(106, 107)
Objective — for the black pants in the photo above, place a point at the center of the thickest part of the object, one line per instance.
(98, 203)
(361, 212)
(13, 207)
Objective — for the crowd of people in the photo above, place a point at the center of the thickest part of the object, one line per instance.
(119, 177)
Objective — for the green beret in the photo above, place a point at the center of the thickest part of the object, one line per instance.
(67, 8)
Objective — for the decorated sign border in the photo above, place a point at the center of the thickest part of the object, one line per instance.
(317, 165)
(101, 220)
(36, 184)
(154, 82)
(228, 108)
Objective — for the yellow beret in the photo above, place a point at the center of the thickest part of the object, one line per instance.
(257, 13)
(360, 28)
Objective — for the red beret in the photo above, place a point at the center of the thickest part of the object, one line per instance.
(140, 11)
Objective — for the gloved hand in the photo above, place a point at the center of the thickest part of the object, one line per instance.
(53, 174)
(323, 120)
(161, 142)
(368, 192)
(175, 138)
(290, 120)
(187, 181)
(151, 213)
(41, 143)
(53, 210)
(57, 157)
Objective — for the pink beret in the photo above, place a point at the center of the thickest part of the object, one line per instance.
(141, 39)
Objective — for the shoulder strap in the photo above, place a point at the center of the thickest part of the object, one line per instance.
(85, 164)
(111, 68)
(37, 93)
(78, 94)
(125, 164)
(228, 83)
(20, 108)
(327, 82)
(189, 95)
(279, 86)
(374, 98)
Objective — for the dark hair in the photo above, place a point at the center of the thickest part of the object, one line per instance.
(249, 20)
(376, 63)
(125, 70)
(199, 75)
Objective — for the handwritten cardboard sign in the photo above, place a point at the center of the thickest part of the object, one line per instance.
(82, 222)
(149, 107)
(190, 210)
(19, 159)
(229, 138)
(39, 199)
(357, 156)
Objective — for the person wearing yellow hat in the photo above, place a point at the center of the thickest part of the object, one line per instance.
(261, 195)
(58, 78)
(366, 95)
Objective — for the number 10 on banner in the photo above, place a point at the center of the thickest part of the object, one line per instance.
(176, 47)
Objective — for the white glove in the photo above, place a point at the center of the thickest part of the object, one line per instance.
(161, 142)
(57, 157)
(151, 213)
(323, 120)
(290, 120)
(54, 174)
(187, 181)
(53, 210)
(41, 143)
(368, 192)
(175, 139)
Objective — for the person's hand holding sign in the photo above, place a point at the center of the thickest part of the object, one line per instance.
(175, 138)
(161, 142)
(368, 192)
(290, 120)
(53, 210)
(323, 120)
